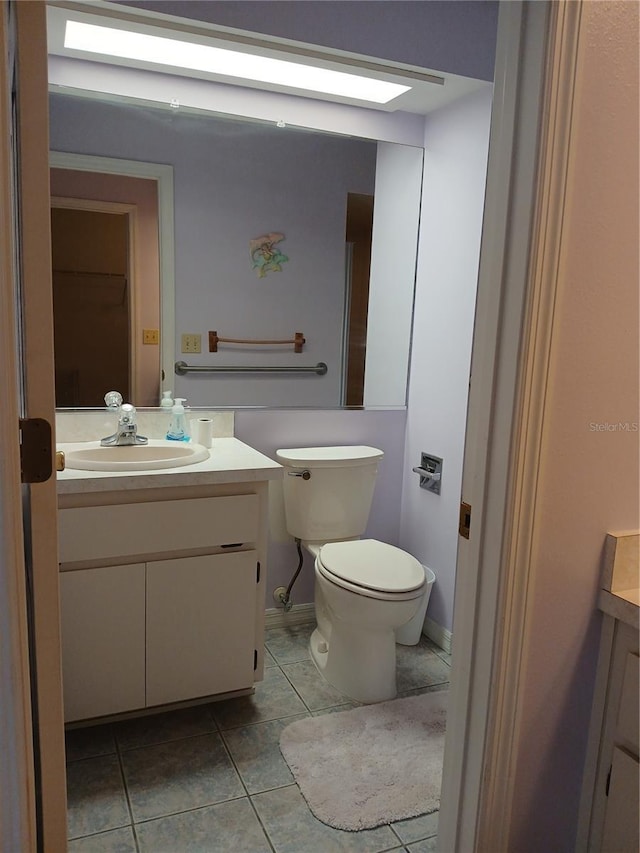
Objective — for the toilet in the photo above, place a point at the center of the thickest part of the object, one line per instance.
(365, 590)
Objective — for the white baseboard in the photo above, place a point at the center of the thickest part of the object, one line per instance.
(300, 614)
(440, 636)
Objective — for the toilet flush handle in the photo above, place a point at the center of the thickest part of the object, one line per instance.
(306, 475)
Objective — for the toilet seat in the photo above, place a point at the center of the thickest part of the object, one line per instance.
(373, 569)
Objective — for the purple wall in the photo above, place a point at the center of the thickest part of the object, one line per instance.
(455, 166)
(454, 36)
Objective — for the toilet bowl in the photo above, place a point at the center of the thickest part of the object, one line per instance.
(410, 633)
(364, 591)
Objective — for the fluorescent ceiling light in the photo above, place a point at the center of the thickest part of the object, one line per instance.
(230, 63)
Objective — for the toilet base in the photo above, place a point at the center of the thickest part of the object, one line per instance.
(361, 665)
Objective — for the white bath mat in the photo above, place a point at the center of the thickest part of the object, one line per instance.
(373, 765)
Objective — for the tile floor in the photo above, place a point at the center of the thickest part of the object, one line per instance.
(211, 778)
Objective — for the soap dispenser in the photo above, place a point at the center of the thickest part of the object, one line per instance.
(166, 402)
(178, 428)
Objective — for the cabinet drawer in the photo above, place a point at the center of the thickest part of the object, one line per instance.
(627, 724)
(107, 532)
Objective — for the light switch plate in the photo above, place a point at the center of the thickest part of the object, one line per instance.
(191, 343)
(150, 336)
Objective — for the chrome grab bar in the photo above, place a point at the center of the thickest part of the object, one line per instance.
(181, 368)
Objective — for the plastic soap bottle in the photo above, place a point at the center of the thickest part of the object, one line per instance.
(178, 427)
(166, 402)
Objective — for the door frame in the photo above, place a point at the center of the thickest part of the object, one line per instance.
(491, 422)
(41, 800)
(17, 804)
(518, 280)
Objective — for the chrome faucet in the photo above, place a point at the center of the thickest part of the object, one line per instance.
(127, 431)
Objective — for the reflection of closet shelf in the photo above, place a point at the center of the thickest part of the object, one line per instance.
(112, 275)
(114, 282)
(298, 341)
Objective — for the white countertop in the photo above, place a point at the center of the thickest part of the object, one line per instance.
(623, 605)
(230, 461)
(619, 595)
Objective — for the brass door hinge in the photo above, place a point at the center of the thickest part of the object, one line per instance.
(464, 524)
(36, 457)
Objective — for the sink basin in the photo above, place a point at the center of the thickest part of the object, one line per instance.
(158, 454)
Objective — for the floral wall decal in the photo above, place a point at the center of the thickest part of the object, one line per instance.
(265, 255)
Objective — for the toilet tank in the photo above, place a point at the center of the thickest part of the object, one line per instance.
(333, 502)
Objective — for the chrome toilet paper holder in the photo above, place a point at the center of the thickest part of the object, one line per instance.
(430, 470)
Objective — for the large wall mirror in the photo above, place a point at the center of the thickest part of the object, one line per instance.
(264, 232)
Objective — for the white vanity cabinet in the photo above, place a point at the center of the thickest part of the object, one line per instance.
(611, 792)
(608, 819)
(162, 595)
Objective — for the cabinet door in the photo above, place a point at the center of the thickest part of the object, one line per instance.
(102, 640)
(200, 626)
(621, 817)
(629, 708)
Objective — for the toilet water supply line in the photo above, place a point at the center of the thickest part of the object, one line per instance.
(285, 595)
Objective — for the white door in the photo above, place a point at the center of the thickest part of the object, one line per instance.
(34, 786)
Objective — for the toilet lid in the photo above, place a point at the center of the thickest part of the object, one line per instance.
(372, 565)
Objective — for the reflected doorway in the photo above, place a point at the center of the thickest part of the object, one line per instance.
(91, 302)
(359, 232)
(127, 363)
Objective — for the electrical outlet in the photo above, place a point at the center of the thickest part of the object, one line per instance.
(150, 336)
(191, 343)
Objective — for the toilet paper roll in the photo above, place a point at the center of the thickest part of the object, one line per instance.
(204, 432)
